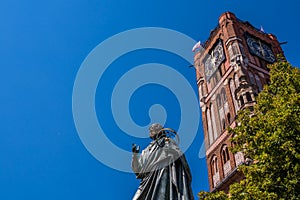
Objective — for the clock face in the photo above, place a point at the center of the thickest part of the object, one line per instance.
(255, 47)
(218, 54)
(268, 53)
(213, 60)
(260, 49)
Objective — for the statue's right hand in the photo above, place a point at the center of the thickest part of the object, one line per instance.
(135, 148)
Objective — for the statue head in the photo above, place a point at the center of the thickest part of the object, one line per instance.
(155, 130)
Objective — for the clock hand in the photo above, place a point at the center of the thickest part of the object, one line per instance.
(261, 49)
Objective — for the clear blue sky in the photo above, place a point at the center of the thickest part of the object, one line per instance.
(42, 46)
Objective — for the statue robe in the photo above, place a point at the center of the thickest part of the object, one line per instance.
(164, 172)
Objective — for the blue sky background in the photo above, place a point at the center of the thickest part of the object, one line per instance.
(42, 45)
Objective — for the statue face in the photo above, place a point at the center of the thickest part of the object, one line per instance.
(154, 129)
(152, 134)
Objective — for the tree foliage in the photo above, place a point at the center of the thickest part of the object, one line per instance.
(269, 135)
(212, 196)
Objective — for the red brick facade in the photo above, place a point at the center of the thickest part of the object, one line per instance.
(231, 71)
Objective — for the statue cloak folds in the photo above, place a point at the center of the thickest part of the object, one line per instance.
(164, 172)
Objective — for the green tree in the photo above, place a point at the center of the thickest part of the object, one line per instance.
(269, 136)
(212, 196)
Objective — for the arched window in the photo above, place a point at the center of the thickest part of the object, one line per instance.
(209, 127)
(228, 117)
(221, 111)
(214, 165)
(225, 154)
(213, 120)
(223, 95)
(215, 171)
(242, 100)
(223, 124)
(226, 160)
(235, 49)
(224, 108)
(232, 90)
(248, 97)
(236, 81)
(219, 101)
(230, 52)
(224, 100)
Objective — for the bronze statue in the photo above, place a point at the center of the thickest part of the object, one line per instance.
(162, 168)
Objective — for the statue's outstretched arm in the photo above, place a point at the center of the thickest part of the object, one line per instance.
(135, 163)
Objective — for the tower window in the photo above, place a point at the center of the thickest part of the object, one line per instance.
(232, 90)
(226, 160)
(223, 108)
(219, 103)
(230, 52)
(236, 80)
(223, 93)
(242, 100)
(248, 97)
(214, 165)
(213, 120)
(228, 117)
(225, 154)
(209, 127)
(215, 171)
(235, 49)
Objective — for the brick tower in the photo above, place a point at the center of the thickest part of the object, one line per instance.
(231, 71)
